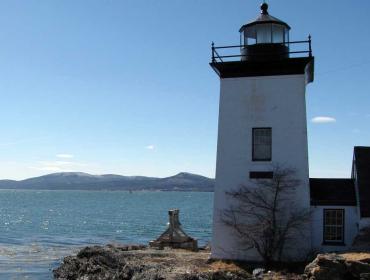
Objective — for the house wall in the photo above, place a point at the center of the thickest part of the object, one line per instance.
(354, 177)
(364, 223)
(272, 101)
(351, 220)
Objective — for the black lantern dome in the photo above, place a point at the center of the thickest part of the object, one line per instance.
(265, 38)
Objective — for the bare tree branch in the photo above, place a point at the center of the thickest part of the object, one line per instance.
(264, 216)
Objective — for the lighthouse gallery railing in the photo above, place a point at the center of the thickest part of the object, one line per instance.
(229, 56)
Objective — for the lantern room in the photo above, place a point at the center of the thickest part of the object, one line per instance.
(265, 38)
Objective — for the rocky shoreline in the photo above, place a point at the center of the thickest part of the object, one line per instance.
(138, 262)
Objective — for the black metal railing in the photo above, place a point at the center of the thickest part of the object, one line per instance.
(227, 51)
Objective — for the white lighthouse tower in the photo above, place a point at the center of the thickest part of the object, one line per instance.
(262, 121)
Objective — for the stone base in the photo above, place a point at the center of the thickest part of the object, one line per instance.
(190, 244)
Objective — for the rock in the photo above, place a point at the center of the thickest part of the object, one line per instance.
(356, 268)
(362, 240)
(329, 266)
(138, 262)
(365, 276)
(99, 262)
(220, 275)
(206, 247)
(258, 272)
(336, 267)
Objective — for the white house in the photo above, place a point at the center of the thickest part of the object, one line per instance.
(262, 123)
(341, 207)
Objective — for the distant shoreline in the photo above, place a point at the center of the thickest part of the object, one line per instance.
(107, 190)
(180, 182)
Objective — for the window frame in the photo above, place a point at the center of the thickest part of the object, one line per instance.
(333, 242)
(253, 144)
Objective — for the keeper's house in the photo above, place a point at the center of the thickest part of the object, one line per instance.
(341, 207)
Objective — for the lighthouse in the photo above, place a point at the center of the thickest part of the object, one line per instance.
(262, 122)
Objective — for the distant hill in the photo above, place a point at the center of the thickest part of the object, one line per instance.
(83, 181)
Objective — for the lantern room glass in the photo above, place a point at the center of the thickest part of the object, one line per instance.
(267, 33)
(263, 34)
(277, 32)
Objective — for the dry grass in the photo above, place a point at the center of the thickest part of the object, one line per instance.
(224, 266)
(357, 256)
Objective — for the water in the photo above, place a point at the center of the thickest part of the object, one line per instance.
(39, 228)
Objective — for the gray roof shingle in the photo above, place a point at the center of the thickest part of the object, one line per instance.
(332, 192)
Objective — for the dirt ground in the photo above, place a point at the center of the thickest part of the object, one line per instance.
(183, 261)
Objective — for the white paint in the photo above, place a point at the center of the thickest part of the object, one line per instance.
(350, 228)
(364, 223)
(271, 101)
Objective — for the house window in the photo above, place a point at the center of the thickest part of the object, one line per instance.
(261, 144)
(333, 226)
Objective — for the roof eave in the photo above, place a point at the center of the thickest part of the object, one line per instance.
(263, 22)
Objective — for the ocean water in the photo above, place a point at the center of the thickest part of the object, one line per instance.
(39, 228)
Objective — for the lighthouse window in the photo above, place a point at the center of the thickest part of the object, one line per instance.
(263, 34)
(261, 144)
(277, 33)
(333, 226)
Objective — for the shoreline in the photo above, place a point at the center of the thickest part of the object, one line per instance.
(117, 261)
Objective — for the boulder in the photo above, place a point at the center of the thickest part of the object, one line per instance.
(328, 266)
(362, 240)
(357, 268)
(336, 267)
(365, 276)
(123, 262)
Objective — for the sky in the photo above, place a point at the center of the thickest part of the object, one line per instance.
(125, 87)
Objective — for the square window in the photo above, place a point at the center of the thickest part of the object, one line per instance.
(333, 226)
(262, 139)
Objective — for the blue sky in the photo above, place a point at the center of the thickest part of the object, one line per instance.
(125, 87)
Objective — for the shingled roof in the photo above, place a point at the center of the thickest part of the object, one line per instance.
(361, 171)
(333, 192)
